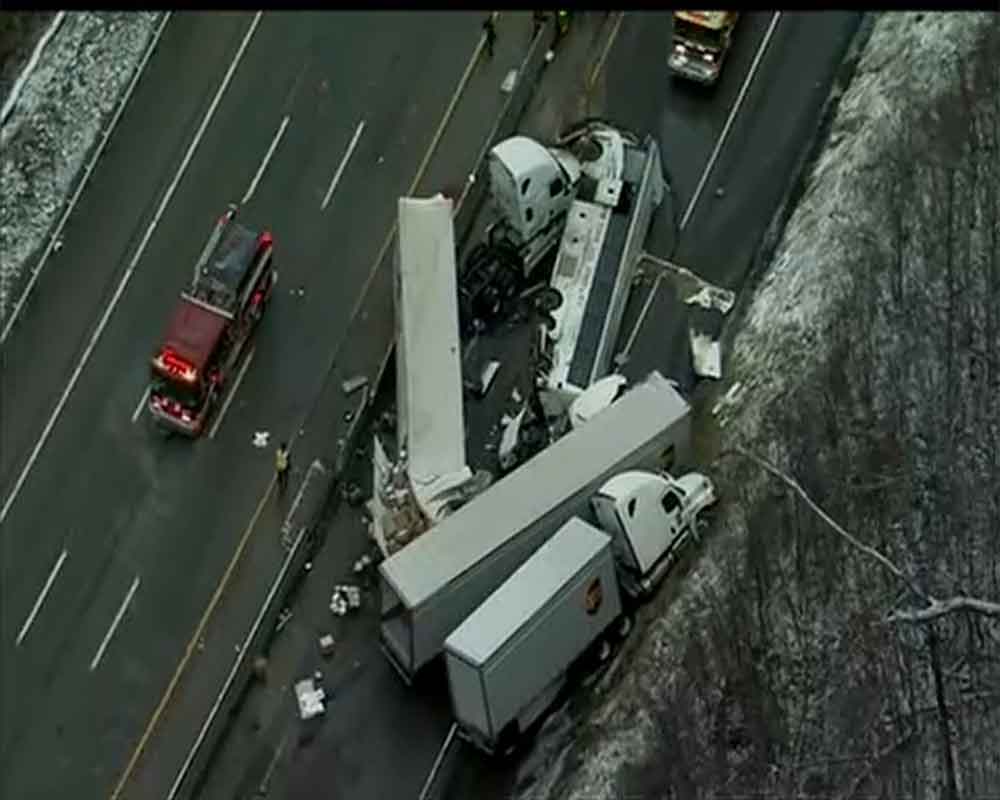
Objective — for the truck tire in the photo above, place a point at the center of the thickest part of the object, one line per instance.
(624, 626)
(548, 300)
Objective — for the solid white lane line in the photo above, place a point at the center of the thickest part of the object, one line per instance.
(343, 164)
(232, 394)
(41, 598)
(438, 760)
(86, 178)
(96, 335)
(267, 160)
(705, 174)
(114, 624)
(141, 405)
(729, 120)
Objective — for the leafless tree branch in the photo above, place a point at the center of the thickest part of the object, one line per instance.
(938, 608)
(935, 608)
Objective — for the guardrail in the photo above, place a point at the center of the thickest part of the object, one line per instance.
(316, 500)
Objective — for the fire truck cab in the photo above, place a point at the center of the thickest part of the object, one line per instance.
(210, 326)
(701, 41)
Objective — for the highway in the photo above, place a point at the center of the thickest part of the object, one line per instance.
(114, 538)
(379, 738)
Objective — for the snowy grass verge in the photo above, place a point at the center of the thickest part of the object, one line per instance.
(61, 111)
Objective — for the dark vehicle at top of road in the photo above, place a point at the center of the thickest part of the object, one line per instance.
(210, 326)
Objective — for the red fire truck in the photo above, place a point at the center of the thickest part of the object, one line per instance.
(701, 41)
(210, 326)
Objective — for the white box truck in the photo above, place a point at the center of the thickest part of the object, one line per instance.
(510, 659)
(433, 583)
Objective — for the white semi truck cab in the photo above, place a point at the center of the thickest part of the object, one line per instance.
(650, 518)
(531, 190)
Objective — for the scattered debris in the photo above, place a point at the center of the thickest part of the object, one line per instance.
(515, 395)
(283, 618)
(260, 438)
(310, 699)
(729, 399)
(709, 297)
(487, 377)
(348, 416)
(326, 645)
(351, 385)
(706, 355)
(345, 598)
(509, 81)
(509, 439)
(362, 564)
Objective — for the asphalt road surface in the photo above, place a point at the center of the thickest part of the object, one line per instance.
(764, 124)
(114, 537)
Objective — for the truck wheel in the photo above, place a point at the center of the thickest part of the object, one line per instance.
(625, 626)
(548, 300)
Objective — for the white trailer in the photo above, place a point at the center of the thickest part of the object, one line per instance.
(511, 657)
(518, 643)
(606, 228)
(429, 586)
(429, 473)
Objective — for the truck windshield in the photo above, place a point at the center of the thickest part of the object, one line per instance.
(695, 34)
(186, 394)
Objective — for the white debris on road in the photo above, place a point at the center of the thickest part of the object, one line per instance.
(706, 355)
(709, 297)
(60, 112)
(345, 598)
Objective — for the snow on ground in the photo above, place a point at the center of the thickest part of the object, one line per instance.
(58, 119)
(869, 371)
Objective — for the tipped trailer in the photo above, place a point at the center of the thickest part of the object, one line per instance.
(595, 268)
(210, 326)
(430, 585)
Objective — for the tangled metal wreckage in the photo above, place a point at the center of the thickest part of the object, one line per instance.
(569, 225)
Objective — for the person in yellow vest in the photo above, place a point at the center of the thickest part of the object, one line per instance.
(282, 466)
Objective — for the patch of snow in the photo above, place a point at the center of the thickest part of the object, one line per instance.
(29, 67)
(57, 120)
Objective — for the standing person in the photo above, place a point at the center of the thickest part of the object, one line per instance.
(491, 34)
(282, 465)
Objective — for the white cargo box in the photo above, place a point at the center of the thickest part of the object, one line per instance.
(517, 645)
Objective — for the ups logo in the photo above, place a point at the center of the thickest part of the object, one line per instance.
(594, 596)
